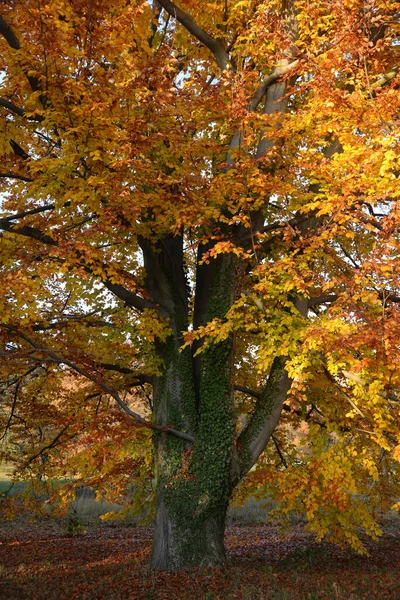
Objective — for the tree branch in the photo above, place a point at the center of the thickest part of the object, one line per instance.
(32, 211)
(328, 298)
(386, 78)
(215, 46)
(9, 35)
(298, 220)
(18, 150)
(51, 445)
(324, 299)
(265, 417)
(16, 176)
(388, 296)
(330, 378)
(248, 391)
(128, 297)
(278, 72)
(18, 110)
(131, 299)
(109, 390)
(12, 107)
(7, 32)
(59, 324)
(356, 379)
(140, 378)
(12, 409)
(26, 231)
(273, 104)
(279, 451)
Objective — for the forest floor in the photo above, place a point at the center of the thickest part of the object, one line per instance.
(41, 561)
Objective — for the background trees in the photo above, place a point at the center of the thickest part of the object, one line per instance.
(200, 211)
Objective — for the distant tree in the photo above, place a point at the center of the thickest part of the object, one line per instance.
(200, 211)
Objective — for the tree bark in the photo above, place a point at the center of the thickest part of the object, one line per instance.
(194, 481)
(179, 543)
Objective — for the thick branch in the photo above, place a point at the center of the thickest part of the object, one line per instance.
(18, 110)
(386, 78)
(12, 107)
(388, 296)
(59, 324)
(109, 390)
(356, 379)
(298, 220)
(26, 231)
(278, 72)
(32, 211)
(264, 419)
(329, 298)
(166, 281)
(324, 299)
(215, 46)
(13, 41)
(128, 297)
(18, 150)
(16, 176)
(273, 103)
(140, 378)
(9, 35)
(248, 391)
(118, 290)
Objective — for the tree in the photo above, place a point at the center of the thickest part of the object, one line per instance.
(199, 208)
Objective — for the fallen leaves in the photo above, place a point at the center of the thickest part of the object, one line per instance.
(40, 561)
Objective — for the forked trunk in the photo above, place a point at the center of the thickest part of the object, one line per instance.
(194, 480)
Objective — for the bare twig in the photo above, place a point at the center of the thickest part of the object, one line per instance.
(283, 460)
(51, 445)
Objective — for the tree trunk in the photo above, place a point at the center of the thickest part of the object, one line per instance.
(194, 480)
(184, 538)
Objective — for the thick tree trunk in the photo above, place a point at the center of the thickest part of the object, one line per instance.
(194, 480)
(184, 539)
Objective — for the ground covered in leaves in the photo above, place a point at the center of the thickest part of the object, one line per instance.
(42, 561)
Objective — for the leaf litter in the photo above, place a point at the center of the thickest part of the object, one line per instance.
(40, 561)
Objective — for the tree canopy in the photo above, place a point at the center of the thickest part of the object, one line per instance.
(200, 252)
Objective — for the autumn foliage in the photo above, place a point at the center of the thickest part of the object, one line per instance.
(200, 234)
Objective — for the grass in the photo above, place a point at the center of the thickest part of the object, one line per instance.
(6, 485)
(252, 512)
(86, 509)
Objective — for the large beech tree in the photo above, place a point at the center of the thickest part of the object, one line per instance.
(199, 212)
